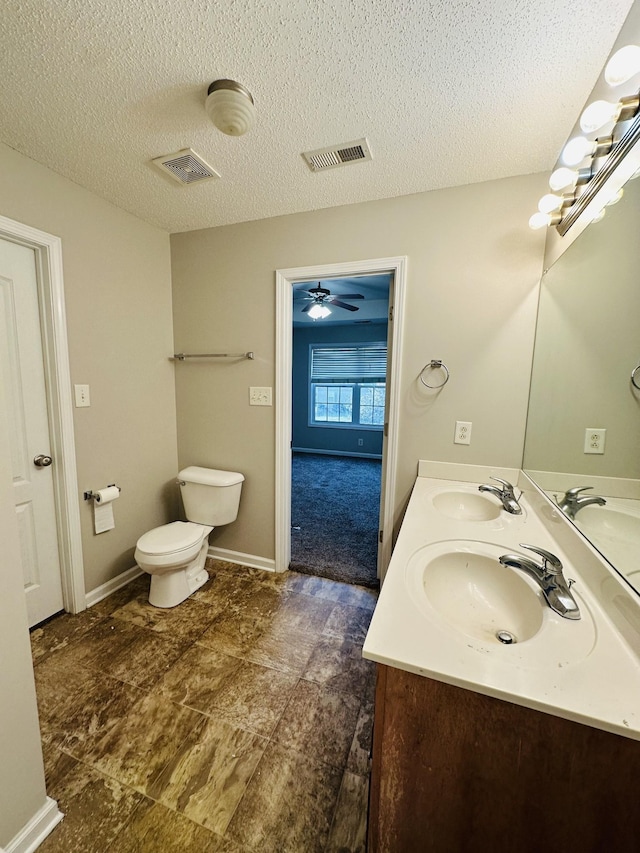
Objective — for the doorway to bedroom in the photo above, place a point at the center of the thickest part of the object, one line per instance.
(339, 397)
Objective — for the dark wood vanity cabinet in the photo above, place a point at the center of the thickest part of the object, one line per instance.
(454, 771)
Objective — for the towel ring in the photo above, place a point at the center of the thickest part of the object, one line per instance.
(437, 363)
(633, 377)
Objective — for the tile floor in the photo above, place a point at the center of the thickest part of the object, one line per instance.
(239, 721)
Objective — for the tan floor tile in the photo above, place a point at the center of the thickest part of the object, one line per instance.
(60, 632)
(232, 633)
(358, 761)
(349, 830)
(188, 621)
(156, 829)
(141, 745)
(95, 808)
(348, 622)
(209, 775)
(280, 648)
(288, 805)
(244, 693)
(319, 723)
(357, 596)
(138, 586)
(302, 613)
(339, 665)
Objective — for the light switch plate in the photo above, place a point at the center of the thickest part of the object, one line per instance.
(83, 398)
(259, 396)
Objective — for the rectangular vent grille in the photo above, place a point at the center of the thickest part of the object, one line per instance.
(186, 167)
(337, 155)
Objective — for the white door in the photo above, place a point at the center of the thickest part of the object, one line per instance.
(22, 366)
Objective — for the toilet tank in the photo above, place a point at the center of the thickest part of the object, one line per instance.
(210, 496)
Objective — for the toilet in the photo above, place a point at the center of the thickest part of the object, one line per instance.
(174, 554)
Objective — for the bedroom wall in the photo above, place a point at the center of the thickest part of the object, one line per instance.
(473, 273)
(329, 439)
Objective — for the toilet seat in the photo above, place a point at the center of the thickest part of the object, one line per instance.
(172, 538)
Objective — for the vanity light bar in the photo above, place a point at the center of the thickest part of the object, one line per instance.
(580, 186)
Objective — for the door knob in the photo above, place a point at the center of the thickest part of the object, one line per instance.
(42, 461)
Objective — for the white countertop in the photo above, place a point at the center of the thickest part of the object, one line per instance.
(581, 671)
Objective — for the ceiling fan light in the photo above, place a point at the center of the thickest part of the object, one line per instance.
(318, 312)
(230, 107)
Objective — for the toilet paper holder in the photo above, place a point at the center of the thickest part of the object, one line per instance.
(90, 495)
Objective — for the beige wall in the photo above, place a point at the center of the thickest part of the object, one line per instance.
(474, 270)
(118, 303)
(22, 791)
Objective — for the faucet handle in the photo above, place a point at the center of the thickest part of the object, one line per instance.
(550, 563)
(570, 493)
(507, 485)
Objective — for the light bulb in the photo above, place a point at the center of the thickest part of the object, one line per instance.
(623, 65)
(615, 198)
(550, 203)
(563, 179)
(576, 150)
(599, 113)
(319, 312)
(540, 220)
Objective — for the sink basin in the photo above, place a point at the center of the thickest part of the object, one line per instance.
(604, 521)
(467, 505)
(460, 585)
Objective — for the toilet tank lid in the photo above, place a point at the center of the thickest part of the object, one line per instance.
(210, 476)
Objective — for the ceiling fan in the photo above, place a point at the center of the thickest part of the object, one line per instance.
(322, 297)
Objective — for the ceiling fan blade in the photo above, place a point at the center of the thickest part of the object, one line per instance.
(339, 304)
(350, 296)
(307, 308)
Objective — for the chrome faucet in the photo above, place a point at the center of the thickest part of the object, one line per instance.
(505, 494)
(573, 500)
(548, 575)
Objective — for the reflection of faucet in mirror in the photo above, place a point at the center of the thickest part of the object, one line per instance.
(573, 501)
(549, 577)
(506, 494)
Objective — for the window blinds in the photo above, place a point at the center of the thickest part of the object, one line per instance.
(349, 363)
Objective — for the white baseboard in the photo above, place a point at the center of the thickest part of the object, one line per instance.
(36, 830)
(249, 560)
(107, 588)
(336, 453)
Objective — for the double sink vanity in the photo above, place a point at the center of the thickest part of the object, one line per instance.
(507, 710)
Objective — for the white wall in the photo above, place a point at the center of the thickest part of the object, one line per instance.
(474, 270)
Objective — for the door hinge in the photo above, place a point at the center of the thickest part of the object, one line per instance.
(391, 314)
(380, 536)
(386, 429)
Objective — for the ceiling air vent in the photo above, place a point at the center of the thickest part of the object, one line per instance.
(185, 167)
(337, 155)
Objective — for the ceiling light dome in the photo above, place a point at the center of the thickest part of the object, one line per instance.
(230, 107)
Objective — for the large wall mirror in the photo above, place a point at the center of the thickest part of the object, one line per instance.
(583, 427)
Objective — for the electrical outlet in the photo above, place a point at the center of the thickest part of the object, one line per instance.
(594, 439)
(260, 396)
(463, 432)
(83, 398)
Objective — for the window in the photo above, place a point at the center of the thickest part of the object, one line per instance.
(347, 385)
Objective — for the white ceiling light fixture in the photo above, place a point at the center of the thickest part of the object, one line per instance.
(230, 107)
(318, 311)
(623, 65)
(599, 113)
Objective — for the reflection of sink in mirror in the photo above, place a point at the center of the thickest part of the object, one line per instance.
(616, 533)
(463, 583)
(467, 505)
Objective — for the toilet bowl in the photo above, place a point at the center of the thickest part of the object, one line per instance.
(174, 554)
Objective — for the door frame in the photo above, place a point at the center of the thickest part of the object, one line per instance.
(285, 279)
(48, 257)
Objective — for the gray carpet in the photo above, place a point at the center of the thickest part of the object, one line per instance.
(335, 504)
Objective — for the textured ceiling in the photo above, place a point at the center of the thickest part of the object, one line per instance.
(447, 93)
